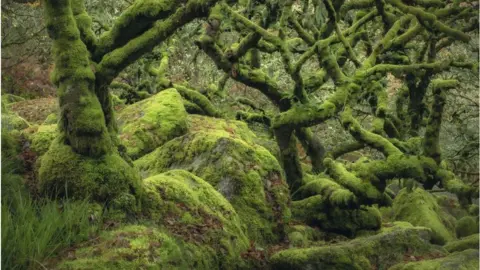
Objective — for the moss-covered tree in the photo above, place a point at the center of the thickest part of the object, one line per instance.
(274, 27)
(86, 159)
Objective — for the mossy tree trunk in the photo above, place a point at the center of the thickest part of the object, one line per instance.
(85, 65)
(406, 154)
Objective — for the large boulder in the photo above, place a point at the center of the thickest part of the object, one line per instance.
(379, 251)
(194, 227)
(420, 208)
(150, 123)
(243, 172)
(465, 260)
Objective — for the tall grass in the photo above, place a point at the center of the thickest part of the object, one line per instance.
(34, 231)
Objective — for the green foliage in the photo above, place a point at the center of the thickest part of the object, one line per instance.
(466, 226)
(34, 231)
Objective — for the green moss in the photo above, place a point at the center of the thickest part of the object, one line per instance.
(65, 173)
(193, 210)
(51, 119)
(463, 244)
(373, 252)
(150, 123)
(465, 260)
(229, 128)
(466, 226)
(41, 140)
(139, 247)
(421, 209)
(11, 121)
(246, 174)
(9, 98)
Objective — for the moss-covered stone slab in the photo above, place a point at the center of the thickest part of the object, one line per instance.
(246, 174)
(191, 209)
(372, 252)
(420, 208)
(465, 260)
(469, 242)
(138, 247)
(150, 123)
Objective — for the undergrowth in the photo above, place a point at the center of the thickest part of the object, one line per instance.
(34, 231)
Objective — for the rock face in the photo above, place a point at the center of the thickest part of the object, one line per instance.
(373, 252)
(465, 260)
(194, 227)
(421, 209)
(243, 172)
(150, 123)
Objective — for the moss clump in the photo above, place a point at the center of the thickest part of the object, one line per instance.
(230, 128)
(463, 244)
(11, 121)
(465, 260)
(451, 205)
(303, 236)
(381, 250)
(138, 247)
(51, 119)
(193, 210)
(246, 174)
(466, 226)
(65, 173)
(151, 122)
(421, 209)
(41, 140)
(9, 98)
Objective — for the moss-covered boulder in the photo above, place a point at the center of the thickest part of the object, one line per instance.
(450, 204)
(244, 173)
(150, 123)
(229, 128)
(466, 226)
(42, 138)
(107, 179)
(373, 252)
(11, 121)
(303, 236)
(420, 208)
(139, 247)
(465, 260)
(190, 208)
(463, 244)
